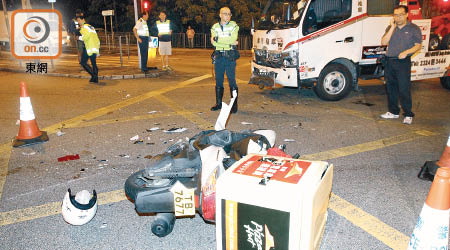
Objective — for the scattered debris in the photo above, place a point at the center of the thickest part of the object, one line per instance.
(30, 153)
(175, 130)
(134, 138)
(59, 133)
(82, 170)
(138, 141)
(150, 143)
(128, 95)
(148, 157)
(18, 122)
(152, 129)
(289, 140)
(246, 123)
(69, 158)
(152, 112)
(299, 125)
(124, 156)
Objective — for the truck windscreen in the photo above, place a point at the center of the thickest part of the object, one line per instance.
(281, 15)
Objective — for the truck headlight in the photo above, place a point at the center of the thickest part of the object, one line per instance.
(290, 59)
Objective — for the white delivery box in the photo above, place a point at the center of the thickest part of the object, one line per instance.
(272, 203)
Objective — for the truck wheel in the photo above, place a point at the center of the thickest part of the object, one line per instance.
(163, 224)
(445, 81)
(335, 82)
(434, 42)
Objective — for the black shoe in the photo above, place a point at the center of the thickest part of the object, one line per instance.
(234, 109)
(94, 78)
(219, 95)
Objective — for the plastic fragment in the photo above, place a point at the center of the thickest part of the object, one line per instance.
(175, 130)
(69, 158)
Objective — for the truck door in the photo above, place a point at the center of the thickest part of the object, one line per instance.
(331, 30)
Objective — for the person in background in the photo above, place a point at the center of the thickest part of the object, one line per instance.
(91, 48)
(190, 35)
(164, 28)
(403, 39)
(141, 33)
(74, 30)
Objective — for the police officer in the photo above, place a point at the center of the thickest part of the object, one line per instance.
(91, 50)
(224, 35)
(141, 33)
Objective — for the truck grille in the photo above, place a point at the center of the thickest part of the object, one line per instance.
(267, 58)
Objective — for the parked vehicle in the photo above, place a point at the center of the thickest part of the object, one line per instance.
(330, 44)
(4, 36)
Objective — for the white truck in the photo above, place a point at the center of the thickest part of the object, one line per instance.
(330, 44)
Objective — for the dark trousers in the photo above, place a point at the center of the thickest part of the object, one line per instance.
(222, 65)
(143, 48)
(84, 58)
(398, 85)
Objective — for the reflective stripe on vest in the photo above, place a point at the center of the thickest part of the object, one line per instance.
(143, 31)
(89, 28)
(92, 51)
(226, 32)
(163, 27)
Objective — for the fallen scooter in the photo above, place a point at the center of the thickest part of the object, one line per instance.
(196, 164)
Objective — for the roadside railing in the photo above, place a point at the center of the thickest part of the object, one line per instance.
(179, 40)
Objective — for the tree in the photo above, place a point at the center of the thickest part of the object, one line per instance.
(204, 13)
(124, 22)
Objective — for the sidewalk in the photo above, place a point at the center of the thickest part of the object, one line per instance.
(67, 66)
(109, 64)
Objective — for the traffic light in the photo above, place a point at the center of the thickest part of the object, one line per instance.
(145, 5)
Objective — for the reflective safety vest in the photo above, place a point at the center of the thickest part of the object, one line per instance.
(143, 29)
(226, 35)
(90, 39)
(163, 27)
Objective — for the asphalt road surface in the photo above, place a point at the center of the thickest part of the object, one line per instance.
(376, 195)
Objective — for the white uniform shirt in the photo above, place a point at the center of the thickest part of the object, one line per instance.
(141, 27)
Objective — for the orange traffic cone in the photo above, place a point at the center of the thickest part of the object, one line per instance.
(431, 231)
(429, 169)
(445, 157)
(29, 132)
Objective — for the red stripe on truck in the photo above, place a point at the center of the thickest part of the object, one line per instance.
(330, 28)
